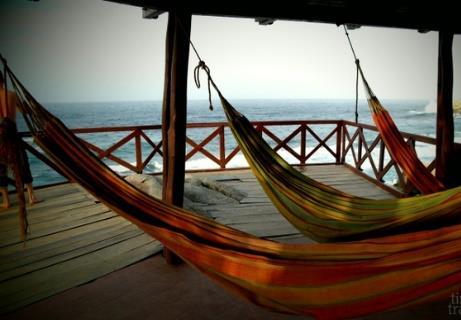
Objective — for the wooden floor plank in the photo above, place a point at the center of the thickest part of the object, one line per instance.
(80, 239)
(73, 239)
(43, 215)
(55, 242)
(78, 249)
(38, 285)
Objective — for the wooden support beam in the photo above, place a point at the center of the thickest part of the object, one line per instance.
(445, 165)
(174, 110)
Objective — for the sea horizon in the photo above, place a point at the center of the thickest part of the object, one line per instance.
(215, 99)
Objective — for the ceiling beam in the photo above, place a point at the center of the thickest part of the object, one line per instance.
(421, 15)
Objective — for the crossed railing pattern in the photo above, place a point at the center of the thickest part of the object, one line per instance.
(358, 146)
(359, 150)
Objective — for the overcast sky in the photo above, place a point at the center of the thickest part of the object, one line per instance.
(91, 50)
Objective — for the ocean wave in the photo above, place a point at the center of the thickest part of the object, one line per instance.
(418, 113)
(238, 161)
(431, 107)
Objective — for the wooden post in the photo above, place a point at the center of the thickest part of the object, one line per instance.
(445, 130)
(303, 144)
(360, 148)
(174, 111)
(138, 151)
(339, 134)
(222, 148)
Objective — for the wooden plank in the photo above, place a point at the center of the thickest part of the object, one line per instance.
(50, 212)
(72, 250)
(57, 240)
(37, 285)
(253, 218)
(97, 214)
(73, 240)
(47, 196)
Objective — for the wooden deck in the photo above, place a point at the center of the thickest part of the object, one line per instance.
(74, 239)
(258, 216)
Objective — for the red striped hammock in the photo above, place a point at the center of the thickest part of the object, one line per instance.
(400, 151)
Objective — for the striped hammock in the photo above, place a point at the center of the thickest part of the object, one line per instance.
(324, 213)
(327, 281)
(407, 159)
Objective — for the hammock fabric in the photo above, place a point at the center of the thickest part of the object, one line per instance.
(324, 213)
(328, 281)
(416, 172)
(12, 158)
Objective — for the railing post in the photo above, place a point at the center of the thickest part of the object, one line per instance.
(412, 143)
(343, 142)
(359, 147)
(382, 148)
(138, 151)
(339, 138)
(259, 128)
(303, 143)
(222, 148)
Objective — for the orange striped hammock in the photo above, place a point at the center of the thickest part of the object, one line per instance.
(407, 159)
(327, 281)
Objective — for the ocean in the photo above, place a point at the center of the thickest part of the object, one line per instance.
(413, 116)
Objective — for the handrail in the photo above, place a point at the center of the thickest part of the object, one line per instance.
(357, 145)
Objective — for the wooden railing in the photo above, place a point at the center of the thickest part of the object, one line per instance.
(359, 146)
(362, 145)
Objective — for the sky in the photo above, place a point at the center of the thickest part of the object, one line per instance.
(92, 50)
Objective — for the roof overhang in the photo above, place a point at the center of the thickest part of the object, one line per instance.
(417, 15)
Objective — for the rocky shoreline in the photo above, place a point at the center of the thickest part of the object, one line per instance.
(457, 106)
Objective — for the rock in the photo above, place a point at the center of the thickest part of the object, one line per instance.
(147, 183)
(221, 188)
(457, 106)
(198, 192)
(203, 194)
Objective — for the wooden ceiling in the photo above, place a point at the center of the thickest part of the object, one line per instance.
(427, 15)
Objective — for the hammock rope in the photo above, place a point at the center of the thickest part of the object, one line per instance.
(202, 66)
(357, 67)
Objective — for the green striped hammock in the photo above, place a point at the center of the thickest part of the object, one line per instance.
(324, 213)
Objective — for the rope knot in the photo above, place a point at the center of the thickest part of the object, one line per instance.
(202, 66)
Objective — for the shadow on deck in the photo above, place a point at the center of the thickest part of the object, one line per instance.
(75, 239)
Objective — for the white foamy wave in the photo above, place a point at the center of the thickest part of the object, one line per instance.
(201, 163)
(431, 107)
(153, 166)
(239, 161)
(458, 136)
(418, 112)
(121, 169)
(426, 152)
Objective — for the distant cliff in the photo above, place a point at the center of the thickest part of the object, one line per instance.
(457, 106)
